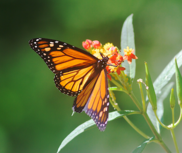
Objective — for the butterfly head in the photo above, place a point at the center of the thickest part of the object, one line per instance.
(103, 62)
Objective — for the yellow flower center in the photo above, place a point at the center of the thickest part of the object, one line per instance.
(128, 51)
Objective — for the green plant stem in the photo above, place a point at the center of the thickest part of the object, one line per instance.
(177, 122)
(157, 135)
(174, 140)
(146, 117)
(135, 128)
(114, 104)
(116, 83)
(164, 126)
(132, 96)
(119, 86)
(126, 118)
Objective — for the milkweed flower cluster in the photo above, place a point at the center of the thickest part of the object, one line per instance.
(112, 52)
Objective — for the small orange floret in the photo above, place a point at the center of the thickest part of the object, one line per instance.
(129, 55)
(108, 71)
(113, 58)
(119, 70)
(119, 59)
(108, 76)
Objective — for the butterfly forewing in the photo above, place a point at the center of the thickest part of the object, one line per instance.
(73, 67)
(60, 56)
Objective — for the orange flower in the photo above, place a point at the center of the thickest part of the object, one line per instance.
(108, 71)
(129, 55)
(119, 59)
(119, 70)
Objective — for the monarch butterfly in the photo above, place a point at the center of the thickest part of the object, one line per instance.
(77, 73)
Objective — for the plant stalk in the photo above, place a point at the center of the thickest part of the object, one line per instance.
(145, 115)
(174, 140)
(113, 102)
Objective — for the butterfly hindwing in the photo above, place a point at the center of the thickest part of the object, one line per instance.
(94, 100)
(73, 82)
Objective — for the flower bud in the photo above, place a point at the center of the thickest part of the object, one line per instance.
(87, 44)
(96, 44)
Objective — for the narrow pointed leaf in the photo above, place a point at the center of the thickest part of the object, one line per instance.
(150, 91)
(160, 109)
(127, 39)
(178, 83)
(141, 147)
(81, 128)
(167, 73)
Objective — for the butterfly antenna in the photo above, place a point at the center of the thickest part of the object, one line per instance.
(101, 55)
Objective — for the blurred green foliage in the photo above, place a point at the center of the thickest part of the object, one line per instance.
(34, 116)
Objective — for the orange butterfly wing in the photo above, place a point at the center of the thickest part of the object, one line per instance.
(74, 68)
(77, 73)
(94, 100)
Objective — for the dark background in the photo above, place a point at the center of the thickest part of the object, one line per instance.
(34, 116)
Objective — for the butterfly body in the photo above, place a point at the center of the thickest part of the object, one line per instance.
(77, 73)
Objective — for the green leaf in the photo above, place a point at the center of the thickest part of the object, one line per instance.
(178, 84)
(150, 91)
(127, 39)
(81, 128)
(159, 84)
(167, 74)
(160, 109)
(141, 147)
